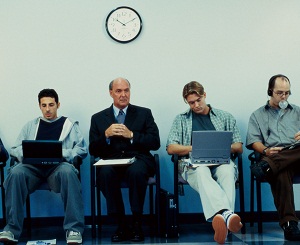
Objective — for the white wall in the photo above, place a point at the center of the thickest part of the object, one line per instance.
(232, 47)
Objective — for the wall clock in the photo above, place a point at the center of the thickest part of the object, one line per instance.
(123, 24)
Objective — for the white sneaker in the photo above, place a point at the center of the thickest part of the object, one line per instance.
(220, 228)
(73, 237)
(233, 221)
(7, 237)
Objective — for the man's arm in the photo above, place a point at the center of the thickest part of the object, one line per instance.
(237, 147)
(266, 151)
(74, 144)
(148, 138)
(180, 150)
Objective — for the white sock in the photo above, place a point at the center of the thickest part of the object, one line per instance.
(227, 216)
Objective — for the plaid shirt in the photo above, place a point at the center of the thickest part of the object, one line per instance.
(181, 130)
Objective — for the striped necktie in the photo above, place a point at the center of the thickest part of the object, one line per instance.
(121, 117)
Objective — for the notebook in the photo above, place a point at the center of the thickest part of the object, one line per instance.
(45, 152)
(211, 147)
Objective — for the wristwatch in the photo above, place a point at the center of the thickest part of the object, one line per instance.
(264, 152)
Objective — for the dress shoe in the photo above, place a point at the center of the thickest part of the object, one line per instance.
(119, 236)
(291, 231)
(137, 233)
(262, 171)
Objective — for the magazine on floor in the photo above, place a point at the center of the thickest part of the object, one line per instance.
(42, 242)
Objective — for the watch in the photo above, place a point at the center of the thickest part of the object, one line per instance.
(264, 152)
(123, 24)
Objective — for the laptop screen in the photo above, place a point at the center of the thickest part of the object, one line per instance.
(42, 151)
(211, 146)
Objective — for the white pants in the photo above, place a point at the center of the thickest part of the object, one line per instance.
(215, 185)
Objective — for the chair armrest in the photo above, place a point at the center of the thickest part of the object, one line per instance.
(254, 157)
(2, 164)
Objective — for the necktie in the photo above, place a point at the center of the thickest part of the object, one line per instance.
(121, 117)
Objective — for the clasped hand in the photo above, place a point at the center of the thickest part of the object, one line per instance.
(117, 129)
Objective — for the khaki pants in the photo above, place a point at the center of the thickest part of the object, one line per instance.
(215, 185)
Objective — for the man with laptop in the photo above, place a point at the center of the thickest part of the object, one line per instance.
(215, 179)
(63, 134)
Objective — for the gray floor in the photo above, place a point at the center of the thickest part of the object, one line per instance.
(189, 234)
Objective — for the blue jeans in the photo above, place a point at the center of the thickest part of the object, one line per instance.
(24, 179)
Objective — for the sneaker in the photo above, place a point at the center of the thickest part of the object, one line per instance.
(291, 231)
(73, 237)
(220, 228)
(232, 220)
(7, 237)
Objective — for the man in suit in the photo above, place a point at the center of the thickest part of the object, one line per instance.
(114, 138)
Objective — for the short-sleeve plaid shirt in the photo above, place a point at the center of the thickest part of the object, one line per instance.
(181, 130)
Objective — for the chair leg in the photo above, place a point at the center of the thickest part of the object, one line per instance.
(157, 209)
(259, 206)
(93, 211)
(28, 214)
(242, 205)
(252, 200)
(151, 212)
(3, 197)
(98, 215)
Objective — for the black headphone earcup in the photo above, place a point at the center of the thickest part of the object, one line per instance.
(269, 92)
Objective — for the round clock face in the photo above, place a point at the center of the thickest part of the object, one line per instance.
(123, 24)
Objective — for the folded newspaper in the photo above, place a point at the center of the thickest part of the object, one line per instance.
(102, 162)
(42, 242)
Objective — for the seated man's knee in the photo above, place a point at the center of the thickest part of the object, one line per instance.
(67, 170)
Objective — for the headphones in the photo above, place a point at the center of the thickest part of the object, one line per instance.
(272, 83)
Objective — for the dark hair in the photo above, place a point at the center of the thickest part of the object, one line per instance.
(192, 88)
(272, 82)
(48, 92)
(111, 83)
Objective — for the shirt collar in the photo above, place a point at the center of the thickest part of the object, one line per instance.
(267, 106)
(116, 110)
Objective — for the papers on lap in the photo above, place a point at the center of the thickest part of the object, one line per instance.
(124, 161)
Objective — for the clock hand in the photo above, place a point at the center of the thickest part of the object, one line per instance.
(121, 23)
(130, 20)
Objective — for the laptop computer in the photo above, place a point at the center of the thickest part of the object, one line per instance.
(211, 147)
(42, 152)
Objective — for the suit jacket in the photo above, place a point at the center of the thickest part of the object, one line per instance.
(145, 135)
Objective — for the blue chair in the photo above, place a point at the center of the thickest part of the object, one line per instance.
(96, 196)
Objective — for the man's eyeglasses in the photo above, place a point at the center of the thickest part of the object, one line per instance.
(281, 93)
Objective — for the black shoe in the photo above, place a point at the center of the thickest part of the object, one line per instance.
(137, 233)
(262, 171)
(291, 231)
(120, 235)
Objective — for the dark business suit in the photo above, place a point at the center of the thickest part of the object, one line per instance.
(145, 138)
